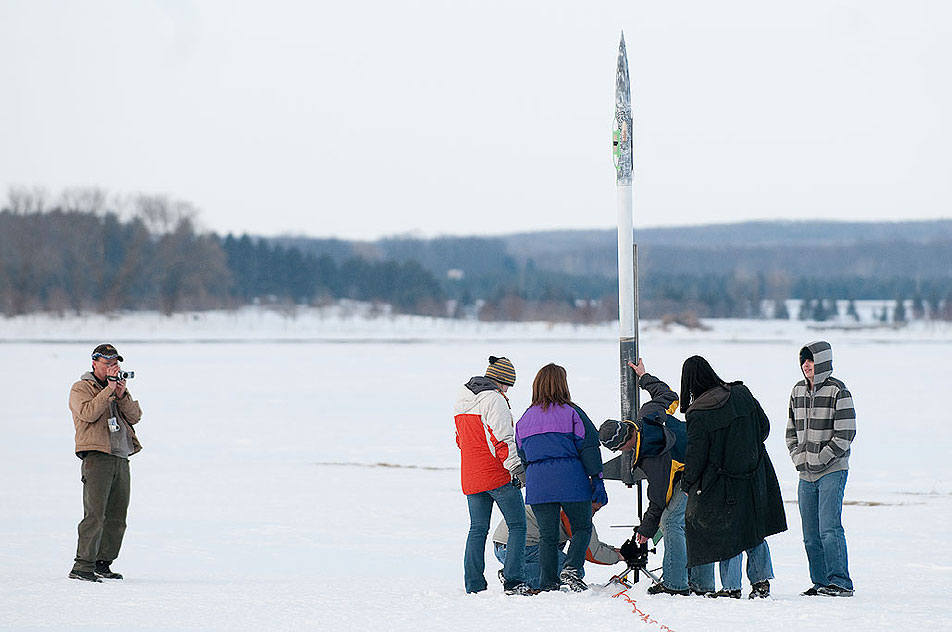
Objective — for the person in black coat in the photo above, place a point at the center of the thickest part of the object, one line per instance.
(734, 497)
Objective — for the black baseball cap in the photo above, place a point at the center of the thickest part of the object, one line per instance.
(107, 351)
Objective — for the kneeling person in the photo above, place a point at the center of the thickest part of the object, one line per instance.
(598, 552)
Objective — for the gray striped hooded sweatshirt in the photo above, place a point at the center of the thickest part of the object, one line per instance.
(821, 422)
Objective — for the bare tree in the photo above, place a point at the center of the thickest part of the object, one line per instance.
(84, 200)
(162, 215)
(26, 261)
(27, 200)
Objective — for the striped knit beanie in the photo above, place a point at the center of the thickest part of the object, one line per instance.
(501, 370)
(613, 433)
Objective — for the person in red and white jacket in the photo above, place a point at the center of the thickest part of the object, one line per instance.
(491, 472)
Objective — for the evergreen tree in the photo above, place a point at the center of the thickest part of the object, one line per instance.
(780, 310)
(804, 312)
(851, 311)
(899, 313)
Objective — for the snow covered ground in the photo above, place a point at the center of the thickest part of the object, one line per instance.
(299, 472)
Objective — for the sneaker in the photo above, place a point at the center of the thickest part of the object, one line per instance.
(759, 589)
(570, 580)
(86, 576)
(733, 594)
(103, 570)
(661, 589)
(810, 592)
(834, 591)
(521, 588)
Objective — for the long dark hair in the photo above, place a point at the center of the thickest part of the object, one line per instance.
(550, 387)
(697, 376)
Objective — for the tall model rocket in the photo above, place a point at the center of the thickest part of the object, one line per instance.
(627, 253)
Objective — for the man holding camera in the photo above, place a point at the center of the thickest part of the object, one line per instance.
(104, 414)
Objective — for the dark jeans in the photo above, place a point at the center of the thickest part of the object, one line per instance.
(548, 515)
(105, 501)
(532, 561)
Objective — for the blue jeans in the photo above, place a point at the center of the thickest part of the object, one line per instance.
(548, 516)
(532, 561)
(759, 567)
(675, 574)
(513, 510)
(821, 510)
(701, 578)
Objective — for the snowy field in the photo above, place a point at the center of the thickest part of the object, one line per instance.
(299, 472)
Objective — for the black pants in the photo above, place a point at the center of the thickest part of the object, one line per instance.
(105, 501)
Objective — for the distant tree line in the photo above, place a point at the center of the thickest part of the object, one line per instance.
(77, 253)
(86, 251)
(495, 283)
(261, 270)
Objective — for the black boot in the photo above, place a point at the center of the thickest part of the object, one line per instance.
(661, 589)
(103, 570)
(834, 591)
(86, 576)
(570, 581)
(760, 589)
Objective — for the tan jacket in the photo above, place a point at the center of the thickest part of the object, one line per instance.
(90, 405)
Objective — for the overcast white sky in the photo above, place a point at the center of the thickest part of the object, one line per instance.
(368, 118)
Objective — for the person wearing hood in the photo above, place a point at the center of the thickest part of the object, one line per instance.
(104, 415)
(491, 472)
(734, 500)
(657, 440)
(821, 425)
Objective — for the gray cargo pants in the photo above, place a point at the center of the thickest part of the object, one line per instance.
(105, 501)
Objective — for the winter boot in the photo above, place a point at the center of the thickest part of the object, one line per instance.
(521, 588)
(569, 580)
(733, 594)
(661, 589)
(103, 570)
(759, 589)
(834, 591)
(86, 576)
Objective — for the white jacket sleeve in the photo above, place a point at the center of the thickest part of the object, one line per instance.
(498, 421)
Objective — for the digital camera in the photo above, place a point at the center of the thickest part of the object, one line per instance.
(122, 377)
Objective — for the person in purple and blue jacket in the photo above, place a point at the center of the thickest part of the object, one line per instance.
(558, 445)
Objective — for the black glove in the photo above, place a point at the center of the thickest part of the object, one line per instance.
(519, 476)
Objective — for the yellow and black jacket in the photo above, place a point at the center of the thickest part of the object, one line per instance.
(659, 450)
